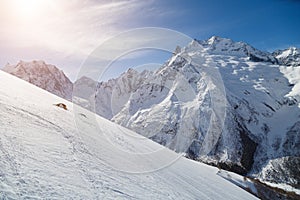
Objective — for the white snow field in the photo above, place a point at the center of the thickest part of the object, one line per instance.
(44, 154)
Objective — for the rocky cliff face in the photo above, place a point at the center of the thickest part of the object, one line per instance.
(45, 76)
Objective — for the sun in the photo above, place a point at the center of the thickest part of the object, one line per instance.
(30, 8)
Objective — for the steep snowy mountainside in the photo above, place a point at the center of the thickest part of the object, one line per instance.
(99, 96)
(290, 59)
(46, 155)
(262, 103)
(219, 101)
(45, 76)
(292, 73)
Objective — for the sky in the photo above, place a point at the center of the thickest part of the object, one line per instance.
(66, 32)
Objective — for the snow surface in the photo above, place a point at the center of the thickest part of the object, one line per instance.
(46, 154)
(239, 180)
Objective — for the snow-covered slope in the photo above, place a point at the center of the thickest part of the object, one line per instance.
(43, 75)
(44, 154)
(219, 101)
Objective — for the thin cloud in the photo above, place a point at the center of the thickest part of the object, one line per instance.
(71, 30)
(71, 27)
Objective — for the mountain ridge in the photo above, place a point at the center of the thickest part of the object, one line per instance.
(45, 76)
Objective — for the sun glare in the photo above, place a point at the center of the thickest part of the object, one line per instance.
(30, 8)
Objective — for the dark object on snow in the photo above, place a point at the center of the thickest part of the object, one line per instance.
(83, 115)
(61, 105)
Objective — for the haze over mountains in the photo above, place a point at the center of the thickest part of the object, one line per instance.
(221, 102)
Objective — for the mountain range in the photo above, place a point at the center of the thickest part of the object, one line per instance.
(220, 102)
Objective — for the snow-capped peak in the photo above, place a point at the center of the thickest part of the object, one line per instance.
(291, 51)
(225, 46)
(288, 57)
(45, 76)
(217, 39)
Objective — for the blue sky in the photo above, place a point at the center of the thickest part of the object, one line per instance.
(65, 32)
